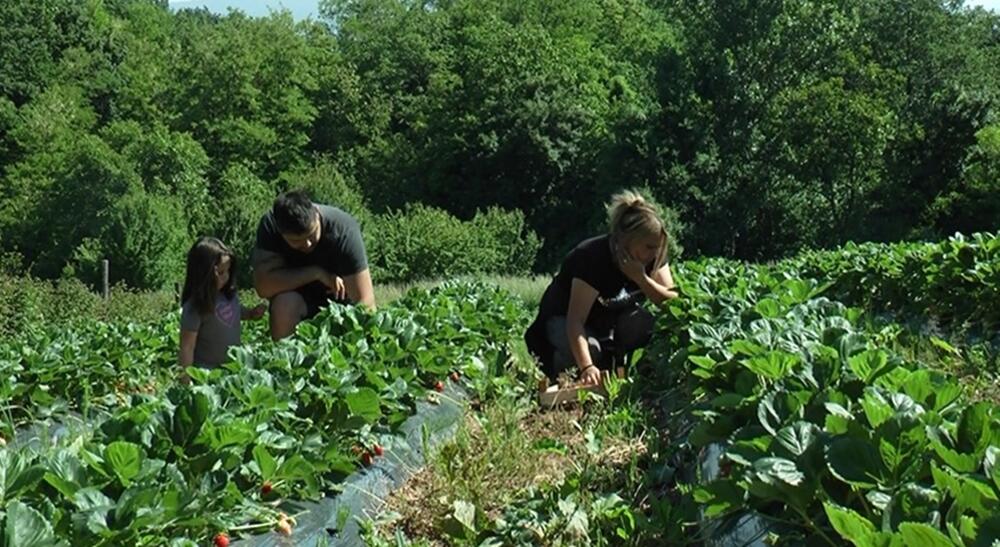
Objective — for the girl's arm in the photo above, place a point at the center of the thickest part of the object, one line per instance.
(581, 299)
(186, 357)
(255, 312)
(188, 339)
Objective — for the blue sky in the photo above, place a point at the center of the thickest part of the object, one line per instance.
(308, 8)
(300, 8)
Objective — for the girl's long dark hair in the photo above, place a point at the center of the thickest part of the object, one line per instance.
(199, 283)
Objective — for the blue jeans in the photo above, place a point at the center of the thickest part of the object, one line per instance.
(633, 329)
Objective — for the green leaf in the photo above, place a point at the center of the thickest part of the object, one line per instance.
(702, 361)
(190, 414)
(265, 462)
(991, 465)
(868, 364)
(774, 365)
(922, 535)
(746, 347)
(974, 428)
(877, 410)
(125, 460)
(768, 308)
(719, 497)
(465, 513)
(798, 437)
(550, 445)
(964, 463)
(364, 403)
(850, 525)
(855, 462)
(26, 527)
(941, 344)
(770, 470)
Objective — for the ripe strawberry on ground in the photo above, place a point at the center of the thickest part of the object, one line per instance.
(439, 386)
(266, 488)
(378, 449)
(367, 459)
(221, 540)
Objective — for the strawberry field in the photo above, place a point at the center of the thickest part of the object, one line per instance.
(840, 397)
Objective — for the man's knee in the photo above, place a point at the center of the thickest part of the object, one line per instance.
(287, 309)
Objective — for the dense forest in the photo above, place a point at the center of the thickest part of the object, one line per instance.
(474, 136)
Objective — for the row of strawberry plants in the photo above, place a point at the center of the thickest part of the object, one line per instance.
(283, 421)
(956, 280)
(827, 435)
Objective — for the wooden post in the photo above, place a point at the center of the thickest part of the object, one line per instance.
(105, 288)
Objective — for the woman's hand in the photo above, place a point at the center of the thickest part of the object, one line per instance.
(590, 376)
(633, 269)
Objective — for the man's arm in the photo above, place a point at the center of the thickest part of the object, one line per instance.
(359, 288)
(272, 276)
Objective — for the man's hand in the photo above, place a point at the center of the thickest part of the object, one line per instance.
(334, 285)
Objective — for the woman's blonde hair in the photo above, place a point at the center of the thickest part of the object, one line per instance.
(631, 216)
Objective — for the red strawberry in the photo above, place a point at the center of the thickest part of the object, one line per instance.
(367, 459)
(454, 376)
(266, 488)
(439, 386)
(378, 449)
(221, 540)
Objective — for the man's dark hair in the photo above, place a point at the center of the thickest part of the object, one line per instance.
(294, 212)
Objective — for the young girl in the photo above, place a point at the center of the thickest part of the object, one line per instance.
(593, 303)
(211, 310)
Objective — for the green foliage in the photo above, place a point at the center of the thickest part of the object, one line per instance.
(880, 129)
(815, 414)
(146, 235)
(153, 463)
(421, 242)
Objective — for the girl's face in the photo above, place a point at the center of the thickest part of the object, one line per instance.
(645, 248)
(222, 272)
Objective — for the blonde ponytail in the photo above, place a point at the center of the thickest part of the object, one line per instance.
(631, 216)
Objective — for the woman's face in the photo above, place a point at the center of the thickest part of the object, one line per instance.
(222, 272)
(644, 248)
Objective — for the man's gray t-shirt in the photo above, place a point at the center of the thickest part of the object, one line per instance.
(340, 250)
(216, 331)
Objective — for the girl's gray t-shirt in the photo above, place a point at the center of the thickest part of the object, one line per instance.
(216, 331)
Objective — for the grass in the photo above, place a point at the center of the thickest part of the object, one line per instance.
(529, 289)
(975, 366)
(24, 299)
(508, 451)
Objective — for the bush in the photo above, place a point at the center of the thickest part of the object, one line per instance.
(421, 242)
(241, 200)
(326, 183)
(26, 302)
(145, 239)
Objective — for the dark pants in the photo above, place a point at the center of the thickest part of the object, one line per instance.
(633, 329)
